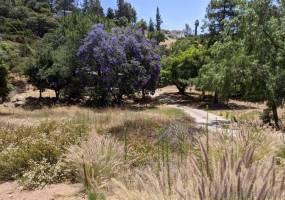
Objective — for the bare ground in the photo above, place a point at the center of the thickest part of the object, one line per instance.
(12, 191)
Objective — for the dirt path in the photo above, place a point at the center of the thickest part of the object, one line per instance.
(203, 118)
(12, 191)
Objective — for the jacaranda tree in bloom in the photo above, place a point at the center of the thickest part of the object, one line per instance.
(117, 63)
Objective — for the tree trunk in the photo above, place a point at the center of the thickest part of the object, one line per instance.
(181, 90)
(216, 97)
(275, 116)
(143, 93)
(57, 92)
(41, 96)
(203, 96)
(119, 99)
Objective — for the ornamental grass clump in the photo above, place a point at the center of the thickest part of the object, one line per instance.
(97, 160)
(229, 179)
(238, 166)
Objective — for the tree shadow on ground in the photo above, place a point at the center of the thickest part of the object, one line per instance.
(134, 104)
(139, 104)
(194, 100)
(33, 103)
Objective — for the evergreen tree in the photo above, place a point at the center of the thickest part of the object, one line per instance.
(130, 13)
(3, 81)
(120, 4)
(196, 27)
(96, 7)
(218, 11)
(126, 10)
(151, 26)
(110, 13)
(158, 20)
(187, 30)
(85, 5)
(64, 5)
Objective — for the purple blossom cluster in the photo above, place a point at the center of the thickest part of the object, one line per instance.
(119, 62)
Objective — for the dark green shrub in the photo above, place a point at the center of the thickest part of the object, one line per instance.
(266, 116)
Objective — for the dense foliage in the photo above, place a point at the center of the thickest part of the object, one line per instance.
(3, 82)
(118, 63)
(182, 68)
(25, 18)
(243, 54)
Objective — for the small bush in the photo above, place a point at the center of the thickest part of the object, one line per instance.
(42, 173)
(266, 116)
(29, 152)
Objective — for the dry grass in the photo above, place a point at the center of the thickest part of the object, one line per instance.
(98, 160)
(229, 168)
(99, 118)
(230, 179)
(139, 125)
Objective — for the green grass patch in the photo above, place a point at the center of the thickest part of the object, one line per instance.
(172, 112)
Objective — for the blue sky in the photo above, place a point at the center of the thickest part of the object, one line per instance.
(175, 13)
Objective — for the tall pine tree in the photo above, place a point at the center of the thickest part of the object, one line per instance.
(97, 8)
(151, 26)
(218, 11)
(110, 13)
(64, 5)
(196, 27)
(120, 11)
(158, 20)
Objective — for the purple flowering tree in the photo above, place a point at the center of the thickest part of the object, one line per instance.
(117, 63)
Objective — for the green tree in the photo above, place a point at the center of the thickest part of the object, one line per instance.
(126, 10)
(218, 12)
(64, 5)
(120, 5)
(151, 26)
(93, 6)
(250, 61)
(110, 13)
(142, 25)
(3, 78)
(196, 27)
(35, 70)
(263, 39)
(158, 20)
(32, 18)
(96, 7)
(188, 30)
(181, 69)
(3, 82)
(224, 72)
(40, 25)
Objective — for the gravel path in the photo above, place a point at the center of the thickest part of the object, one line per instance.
(203, 118)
